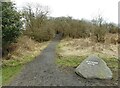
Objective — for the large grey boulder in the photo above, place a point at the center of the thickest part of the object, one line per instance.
(94, 67)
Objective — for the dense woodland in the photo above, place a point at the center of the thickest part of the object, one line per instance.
(35, 22)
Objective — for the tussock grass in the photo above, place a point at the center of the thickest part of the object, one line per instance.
(71, 52)
(26, 50)
(65, 62)
(83, 47)
(74, 61)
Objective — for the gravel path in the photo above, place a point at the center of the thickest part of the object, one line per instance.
(43, 71)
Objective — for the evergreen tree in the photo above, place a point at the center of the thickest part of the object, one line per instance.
(11, 24)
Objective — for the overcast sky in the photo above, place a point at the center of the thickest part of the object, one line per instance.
(87, 9)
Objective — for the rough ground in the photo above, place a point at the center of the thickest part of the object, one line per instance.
(44, 72)
(85, 47)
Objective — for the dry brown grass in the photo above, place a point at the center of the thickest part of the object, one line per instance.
(111, 38)
(26, 49)
(71, 52)
(85, 47)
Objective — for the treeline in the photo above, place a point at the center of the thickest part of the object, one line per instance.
(34, 21)
(41, 27)
(37, 25)
(73, 28)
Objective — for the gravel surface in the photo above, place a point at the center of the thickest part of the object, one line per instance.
(44, 72)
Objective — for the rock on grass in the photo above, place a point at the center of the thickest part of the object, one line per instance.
(94, 67)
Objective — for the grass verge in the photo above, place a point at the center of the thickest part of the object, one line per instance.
(74, 61)
(8, 73)
(69, 61)
(71, 52)
(26, 50)
(11, 68)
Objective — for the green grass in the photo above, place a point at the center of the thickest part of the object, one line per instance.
(0, 77)
(74, 61)
(112, 62)
(9, 72)
(11, 68)
(71, 61)
(25, 52)
(19, 61)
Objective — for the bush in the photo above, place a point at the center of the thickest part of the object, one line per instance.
(11, 24)
(99, 33)
(72, 28)
(112, 28)
(38, 26)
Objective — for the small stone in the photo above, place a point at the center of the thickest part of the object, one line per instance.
(94, 67)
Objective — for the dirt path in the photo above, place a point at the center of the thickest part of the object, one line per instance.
(43, 71)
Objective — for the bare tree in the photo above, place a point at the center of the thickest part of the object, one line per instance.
(98, 20)
(37, 22)
(99, 28)
(35, 15)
